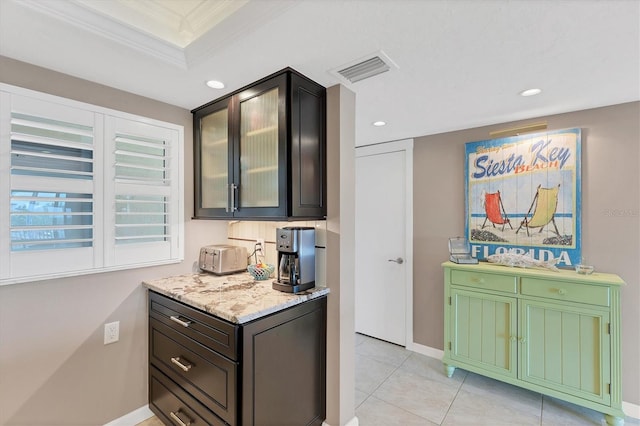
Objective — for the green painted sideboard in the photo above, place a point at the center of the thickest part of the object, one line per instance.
(557, 333)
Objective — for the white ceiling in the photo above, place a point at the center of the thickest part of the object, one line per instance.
(460, 63)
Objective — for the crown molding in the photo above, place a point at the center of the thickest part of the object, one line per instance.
(75, 14)
(242, 22)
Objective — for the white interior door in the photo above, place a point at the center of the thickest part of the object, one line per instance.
(383, 269)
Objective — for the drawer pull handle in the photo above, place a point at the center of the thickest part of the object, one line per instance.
(477, 280)
(179, 321)
(178, 420)
(182, 363)
(562, 291)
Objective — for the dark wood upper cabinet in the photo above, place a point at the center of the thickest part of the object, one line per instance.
(260, 152)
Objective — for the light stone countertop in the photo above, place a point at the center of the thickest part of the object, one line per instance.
(237, 298)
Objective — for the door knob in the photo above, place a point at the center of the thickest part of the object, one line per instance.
(398, 260)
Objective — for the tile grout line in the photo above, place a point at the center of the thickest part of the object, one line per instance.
(395, 368)
(466, 376)
(384, 381)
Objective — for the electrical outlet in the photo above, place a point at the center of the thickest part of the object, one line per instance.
(111, 332)
(260, 248)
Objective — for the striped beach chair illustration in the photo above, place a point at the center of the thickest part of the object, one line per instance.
(545, 203)
(494, 211)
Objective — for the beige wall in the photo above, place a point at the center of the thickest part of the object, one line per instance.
(54, 368)
(610, 215)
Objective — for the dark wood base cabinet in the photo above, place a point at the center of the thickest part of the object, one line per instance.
(207, 371)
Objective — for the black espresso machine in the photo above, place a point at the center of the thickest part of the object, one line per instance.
(296, 259)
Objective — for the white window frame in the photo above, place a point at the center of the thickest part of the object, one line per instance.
(105, 255)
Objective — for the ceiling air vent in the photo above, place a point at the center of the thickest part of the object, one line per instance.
(365, 68)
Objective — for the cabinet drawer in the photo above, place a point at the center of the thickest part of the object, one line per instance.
(567, 291)
(174, 406)
(219, 335)
(208, 376)
(504, 283)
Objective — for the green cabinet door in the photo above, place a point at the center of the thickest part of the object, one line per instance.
(566, 348)
(483, 331)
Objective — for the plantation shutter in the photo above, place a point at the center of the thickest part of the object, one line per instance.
(52, 193)
(144, 198)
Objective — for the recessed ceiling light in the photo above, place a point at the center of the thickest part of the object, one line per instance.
(379, 123)
(215, 84)
(530, 92)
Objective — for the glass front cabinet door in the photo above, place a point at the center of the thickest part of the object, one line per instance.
(213, 158)
(260, 152)
(263, 165)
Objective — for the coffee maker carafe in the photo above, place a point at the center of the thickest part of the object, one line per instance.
(296, 259)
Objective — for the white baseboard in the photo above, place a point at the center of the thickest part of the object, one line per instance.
(630, 410)
(352, 422)
(133, 418)
(425, 350)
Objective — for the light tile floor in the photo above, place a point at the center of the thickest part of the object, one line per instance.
(153, 421)
(395, 386)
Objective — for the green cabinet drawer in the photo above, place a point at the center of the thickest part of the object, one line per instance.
(566, 291)
(503, 283)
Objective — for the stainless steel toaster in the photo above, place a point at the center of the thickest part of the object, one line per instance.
(223, 259)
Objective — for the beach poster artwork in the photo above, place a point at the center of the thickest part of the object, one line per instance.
(522, 195)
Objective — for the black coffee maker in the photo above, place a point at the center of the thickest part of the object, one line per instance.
(296, 259)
